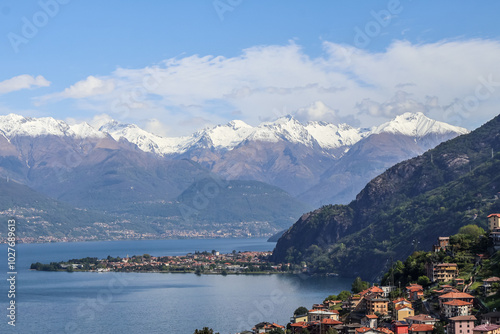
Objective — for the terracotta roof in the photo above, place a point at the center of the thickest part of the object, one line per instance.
(422, 317)
(494, 215)
(492, 279)
(371, 316)
(457, 302)
(401, 300)
(301, 324)
(363, 329)
(464, 318)
(421, 328)
(486, 327)
(330, 322)
(456, 295)
(385, 330)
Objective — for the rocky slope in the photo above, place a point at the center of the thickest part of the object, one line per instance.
(405, 208)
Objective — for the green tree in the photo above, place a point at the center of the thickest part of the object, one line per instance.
(358, 285)
(344, 295)
(300, 311)
(423, 280)
(438, 328)
(471, 230)
(277, 331)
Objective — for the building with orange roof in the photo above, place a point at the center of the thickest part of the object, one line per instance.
(486, 329)
(266, 327)
(448, 297)
(299, 327)
(421, 319)
(369, 320)
(494, 221)
(442, 243)
(420, 329)
(402, 311)
(456, 308)
(415, 291)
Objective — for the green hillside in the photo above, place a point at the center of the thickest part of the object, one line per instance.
(402, 210)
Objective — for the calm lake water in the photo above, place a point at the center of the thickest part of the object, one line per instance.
(60, 302)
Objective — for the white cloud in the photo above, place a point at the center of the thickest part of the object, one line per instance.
(88, 88)
(24, 81)
(266, 82)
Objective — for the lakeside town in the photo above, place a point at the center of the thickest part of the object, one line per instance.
(444, 300)
(198, 262)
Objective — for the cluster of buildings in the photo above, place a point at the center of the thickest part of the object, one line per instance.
(373, 312)
(207, 262)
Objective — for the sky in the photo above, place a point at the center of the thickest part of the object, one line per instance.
(174, 67)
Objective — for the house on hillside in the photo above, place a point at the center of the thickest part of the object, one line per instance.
(377, 305)
(486, 329)
(442, 243)
(369, 320)
(401, 312)
(491, 318)
(424, 319)
(461, 325)
(442, 272)
(266, 327)
(456, 308)
(399, 327)
(420, 329)
(415, 292)
(488, 283)
(494, 221)
(318, 315)
(448, 297)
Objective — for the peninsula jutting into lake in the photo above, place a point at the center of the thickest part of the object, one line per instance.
(246, 262)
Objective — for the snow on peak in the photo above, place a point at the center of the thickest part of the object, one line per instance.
(230, 135)
(84, 130)
(416, 125)
(333, 136)
(15, 125)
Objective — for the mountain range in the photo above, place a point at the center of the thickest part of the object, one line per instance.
(283, 166)
(403, 209)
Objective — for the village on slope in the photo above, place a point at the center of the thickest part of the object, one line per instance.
(427, 294)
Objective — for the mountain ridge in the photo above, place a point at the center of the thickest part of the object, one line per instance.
(408, 205)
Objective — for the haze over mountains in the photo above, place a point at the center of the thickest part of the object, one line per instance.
(285, 166)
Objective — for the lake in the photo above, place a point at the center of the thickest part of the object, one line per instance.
(81, 302)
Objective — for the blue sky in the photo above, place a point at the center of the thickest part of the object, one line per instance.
(176, 66)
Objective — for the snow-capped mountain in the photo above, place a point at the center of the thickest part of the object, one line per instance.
(416, 125)
(312, 160)
(327, 135)
(226, 137)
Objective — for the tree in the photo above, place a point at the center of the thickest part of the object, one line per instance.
(330, 297)
(344, 295)
(205, 330)
(438, 328)
(277, 331)
(472, 230)
(300, 311)
(423, 280)
(358, 285)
